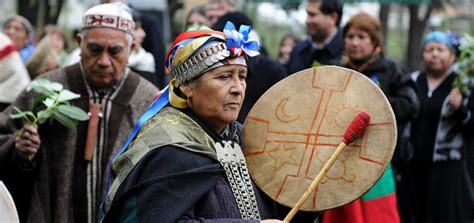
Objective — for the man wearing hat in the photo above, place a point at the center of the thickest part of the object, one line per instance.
(68, 168)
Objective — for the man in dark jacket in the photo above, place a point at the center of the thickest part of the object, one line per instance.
(324, 44)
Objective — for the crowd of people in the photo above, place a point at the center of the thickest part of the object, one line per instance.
(165, 154)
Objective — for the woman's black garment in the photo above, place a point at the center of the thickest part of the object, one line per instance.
(442, 189)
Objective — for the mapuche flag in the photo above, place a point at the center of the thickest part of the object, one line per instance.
(379, 204)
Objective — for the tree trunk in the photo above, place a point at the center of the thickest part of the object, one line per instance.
(40, 12)
(415, 35)
(29, 10)
(383, 16)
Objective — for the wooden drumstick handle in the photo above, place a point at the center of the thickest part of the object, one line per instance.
(354, 131)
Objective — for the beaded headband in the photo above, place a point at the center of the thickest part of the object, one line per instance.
(198, 63)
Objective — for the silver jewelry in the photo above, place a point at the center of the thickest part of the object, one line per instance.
(196, 64)
(232, 159)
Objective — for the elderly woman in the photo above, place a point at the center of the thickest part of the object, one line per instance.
(363, 52)
(186, 164)
(19, 29)
(443, 190)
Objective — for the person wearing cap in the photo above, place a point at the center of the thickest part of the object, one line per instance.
(442, 189)
(65, 179)
(184, 162)
(20, 30)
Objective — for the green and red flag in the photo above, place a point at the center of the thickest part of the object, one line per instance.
(379, 204)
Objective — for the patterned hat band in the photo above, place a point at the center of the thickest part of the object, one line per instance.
(207, 59)
(107, 21)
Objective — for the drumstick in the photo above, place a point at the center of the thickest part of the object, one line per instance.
(354, 131)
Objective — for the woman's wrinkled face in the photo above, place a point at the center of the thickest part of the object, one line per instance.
(218, 94)
(358, 44)
(437, 57)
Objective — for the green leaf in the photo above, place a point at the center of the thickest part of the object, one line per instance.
(43, 116)
(42, 86)
(66, 95)
(64, 120)
(37, 104)
(48, 102)
(55, 86)
(73, 112)
(27, 116)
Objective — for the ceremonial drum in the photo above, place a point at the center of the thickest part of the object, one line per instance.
(297, 124)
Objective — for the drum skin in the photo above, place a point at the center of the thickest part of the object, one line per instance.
(297, 124)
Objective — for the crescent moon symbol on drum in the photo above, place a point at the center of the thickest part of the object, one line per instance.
(280, 113)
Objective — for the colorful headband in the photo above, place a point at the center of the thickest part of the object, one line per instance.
(197, 51)
(111, 15)
(439, 37)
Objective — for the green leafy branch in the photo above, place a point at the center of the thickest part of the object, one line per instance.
(466, 65)
(53, 102)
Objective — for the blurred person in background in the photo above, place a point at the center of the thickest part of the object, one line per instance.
(217, 8)
(140, 60)
(50, 52)
(21, 32)
(324, 44)
(197, 17)
(13, 74)
(363, 53)
(442, 191)
(153, 42)
(286, 46)
(75, 55)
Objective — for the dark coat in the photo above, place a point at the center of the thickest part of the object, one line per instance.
(58, 174)
(175, 176)
(304, 54)
(400, 91)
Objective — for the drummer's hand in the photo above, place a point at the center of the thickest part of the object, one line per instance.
(28, 143)
(272, 221)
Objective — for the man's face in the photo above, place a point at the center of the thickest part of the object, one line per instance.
(17, 33)
(104, 56)
(318, 25)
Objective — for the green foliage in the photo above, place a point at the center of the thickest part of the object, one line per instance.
(466, 65)
(53, 102)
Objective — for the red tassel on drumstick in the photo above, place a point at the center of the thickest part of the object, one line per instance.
(354, 131)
